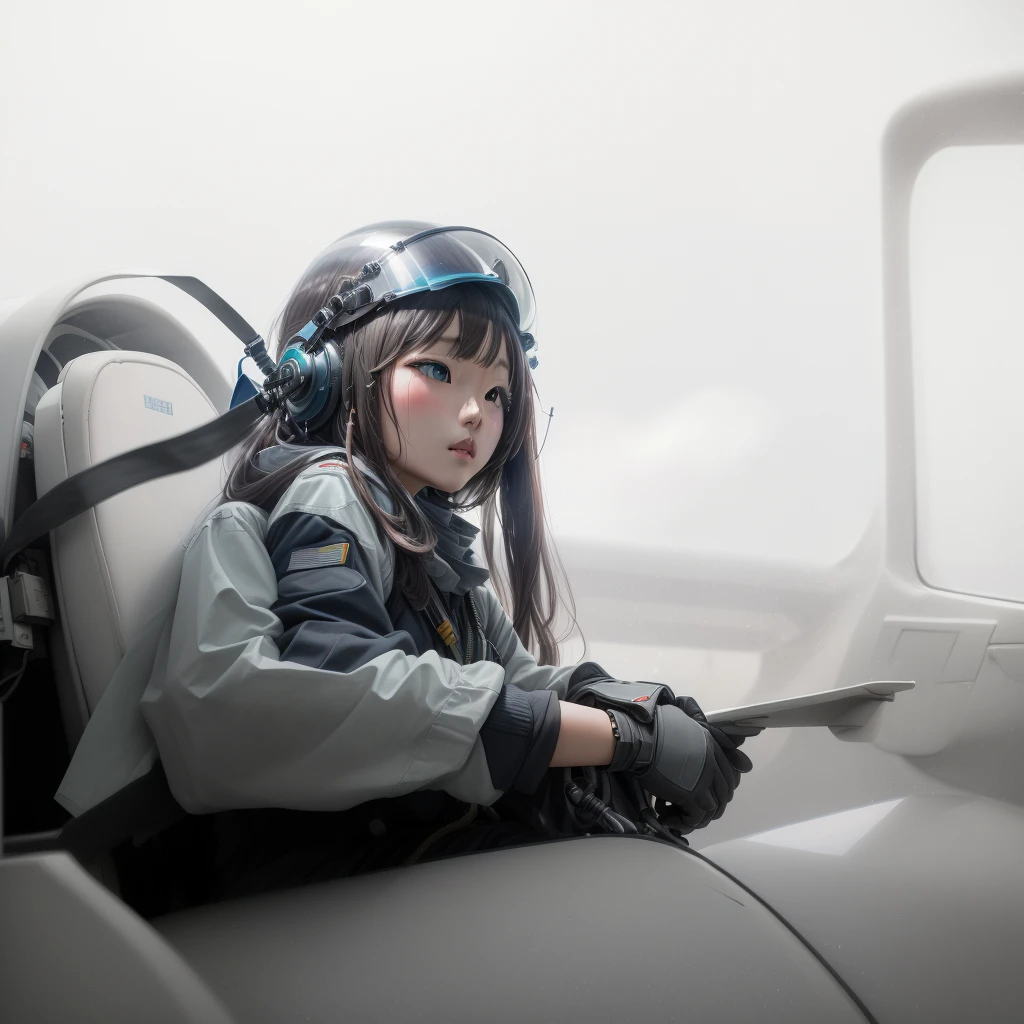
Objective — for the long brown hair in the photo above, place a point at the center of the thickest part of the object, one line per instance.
(531, 582)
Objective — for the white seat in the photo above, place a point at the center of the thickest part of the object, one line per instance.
(117, 564)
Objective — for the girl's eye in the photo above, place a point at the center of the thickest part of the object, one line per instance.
(435, 371)
(503, 398)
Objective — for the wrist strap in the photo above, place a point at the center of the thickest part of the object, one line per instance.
(615, 725)
(634, 748)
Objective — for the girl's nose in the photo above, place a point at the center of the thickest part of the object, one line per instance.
(470, 412)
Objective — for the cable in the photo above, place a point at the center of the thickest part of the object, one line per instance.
(16, 676)
(590, 804)
(654, 826)
(649, 817)
(453, 826)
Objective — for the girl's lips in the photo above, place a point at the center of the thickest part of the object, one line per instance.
(460, 453)
(464, 447)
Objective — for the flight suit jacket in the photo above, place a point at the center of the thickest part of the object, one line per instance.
(292, 677)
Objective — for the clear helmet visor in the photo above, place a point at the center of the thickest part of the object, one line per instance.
(437, 258)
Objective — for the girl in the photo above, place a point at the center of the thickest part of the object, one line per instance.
(355, 660)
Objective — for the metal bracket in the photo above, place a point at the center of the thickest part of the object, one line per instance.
(17, 633)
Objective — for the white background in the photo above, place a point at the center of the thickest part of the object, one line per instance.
(693, 188)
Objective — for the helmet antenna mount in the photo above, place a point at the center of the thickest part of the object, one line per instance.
(550, 414)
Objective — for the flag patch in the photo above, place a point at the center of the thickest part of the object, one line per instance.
(316, 558)
(326, 465)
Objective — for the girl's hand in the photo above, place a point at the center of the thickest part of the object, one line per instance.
(728, 735)
(672, 754)
(677, 759)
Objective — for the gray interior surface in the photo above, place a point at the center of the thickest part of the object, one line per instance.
(70, 951)
(596, 929)
(917, 903)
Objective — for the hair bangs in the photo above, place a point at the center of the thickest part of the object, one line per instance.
(486, 330)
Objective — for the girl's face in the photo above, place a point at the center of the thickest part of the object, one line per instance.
(443, 405)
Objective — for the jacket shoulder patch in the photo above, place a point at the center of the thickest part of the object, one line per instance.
(316, 558)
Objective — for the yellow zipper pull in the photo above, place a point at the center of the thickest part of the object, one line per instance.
(447, 633)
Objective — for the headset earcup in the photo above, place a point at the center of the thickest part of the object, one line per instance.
(327, 364)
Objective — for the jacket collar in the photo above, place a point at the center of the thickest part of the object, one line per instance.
(452, 565)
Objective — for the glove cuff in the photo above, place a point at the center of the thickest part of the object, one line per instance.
(638, 700)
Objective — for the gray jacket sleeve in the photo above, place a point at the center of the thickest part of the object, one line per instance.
(521, 668)
(238, 727)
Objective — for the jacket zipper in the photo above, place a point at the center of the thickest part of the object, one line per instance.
(450, 637)
(479, 624)
(469, 636)
(446, 629)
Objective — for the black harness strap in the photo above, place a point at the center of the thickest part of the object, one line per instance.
(82, 491)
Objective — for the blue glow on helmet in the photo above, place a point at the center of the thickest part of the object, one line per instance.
(306, 332)
(438, 282)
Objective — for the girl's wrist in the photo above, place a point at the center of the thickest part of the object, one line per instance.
(585, 737)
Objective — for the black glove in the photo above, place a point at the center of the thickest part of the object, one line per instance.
(673, 756)
(729, 735)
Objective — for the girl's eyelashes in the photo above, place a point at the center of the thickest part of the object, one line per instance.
(427, 368)
(438, 371)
